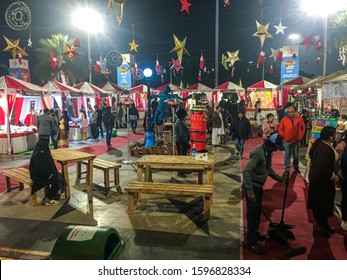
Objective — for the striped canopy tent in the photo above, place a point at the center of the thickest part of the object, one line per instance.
(264, 90)
(92, 96)
(228, 87)
(198, 87)
(112, 87)
(173, 87)
(139, 94)
(10, 88)
(286, 89)
(56, 91)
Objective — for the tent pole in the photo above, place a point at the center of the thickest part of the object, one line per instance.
(9, 146)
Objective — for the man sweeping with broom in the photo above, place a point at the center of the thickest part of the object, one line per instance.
(255, 174)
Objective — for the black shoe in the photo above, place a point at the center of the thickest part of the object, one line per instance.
(321, 230)
(297, 171)
(255, 248)
(286, 174)
(261, 236)
(330, 229)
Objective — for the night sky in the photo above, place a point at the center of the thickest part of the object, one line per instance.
(156, 20)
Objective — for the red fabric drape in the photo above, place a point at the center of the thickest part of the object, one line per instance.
(75, 105)
(44, 103)
(18, 105)
(97, 101)
(2, 116)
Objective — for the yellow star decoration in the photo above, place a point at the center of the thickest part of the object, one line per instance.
(12, 47)
(233, 57)
(224, 61)
(262, 32)
(180, 47)
(133, 46)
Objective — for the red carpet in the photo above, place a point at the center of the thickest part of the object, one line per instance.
(318, 247)
(95, 149)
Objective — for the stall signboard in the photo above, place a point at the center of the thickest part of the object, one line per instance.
(124, 72)
(289, 64)
(317, 126)
(334, 91)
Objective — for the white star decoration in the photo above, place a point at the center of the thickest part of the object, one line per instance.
(280, 28)
(30, 43)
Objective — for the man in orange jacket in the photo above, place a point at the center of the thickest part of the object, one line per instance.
(292, 129)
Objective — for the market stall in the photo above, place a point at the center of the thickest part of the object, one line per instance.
(286, 90)
(139, 95)
(228, 87)
(197, 88)
(114, 90)
(267, 93)
(10, 88)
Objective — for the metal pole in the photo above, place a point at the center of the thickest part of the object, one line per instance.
(263, 73)
(128, 161)
(325, 44)
(149, 120)
(173, 130)
(89, 58)
(216, 72)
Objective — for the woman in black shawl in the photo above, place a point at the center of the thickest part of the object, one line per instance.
(322, 179)
(43, 172)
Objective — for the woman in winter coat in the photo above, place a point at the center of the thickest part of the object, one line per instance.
(239, 132)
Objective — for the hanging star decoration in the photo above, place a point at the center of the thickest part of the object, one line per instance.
(262, 32)
(30, 43)
(232, 57)
(70, 51)
(176, 64)
(274, 54)
(133, 46)
(224, 61)
(280, 28)
(12, 47)
(307, 41)
(117, 6)
(185, 6)
(180, 47)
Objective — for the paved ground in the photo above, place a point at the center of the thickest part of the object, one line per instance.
(163, 227)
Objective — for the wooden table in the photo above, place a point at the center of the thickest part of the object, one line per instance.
(65, 156)
(175, 163)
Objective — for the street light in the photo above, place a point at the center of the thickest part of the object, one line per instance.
(294, 37)
(149, 133)
(323, 8)
(90, 21)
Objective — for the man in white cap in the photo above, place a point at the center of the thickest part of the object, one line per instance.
(255, 174)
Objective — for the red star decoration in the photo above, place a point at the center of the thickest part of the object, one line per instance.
(307, 41)
(185, 6)
(53, 59)
(176, 64)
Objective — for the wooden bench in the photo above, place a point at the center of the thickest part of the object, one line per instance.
(135, 189)
(105, 166)
(200, 171)
(22, 176)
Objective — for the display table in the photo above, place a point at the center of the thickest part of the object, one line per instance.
(250, 113)
(75, 133)
(21, 142)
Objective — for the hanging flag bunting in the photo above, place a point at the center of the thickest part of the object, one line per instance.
(162, 78)
(319, 44)
(274, 54)
(260, 59)
(232, 72)
(226, 3)
(271, 70)
(317, 60)
(202, 63)
(199, 76)
(280, 54)
(158, 68)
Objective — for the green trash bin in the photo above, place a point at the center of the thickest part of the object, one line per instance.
(87, 243)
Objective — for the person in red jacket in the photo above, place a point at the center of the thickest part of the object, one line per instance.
(292, 129)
